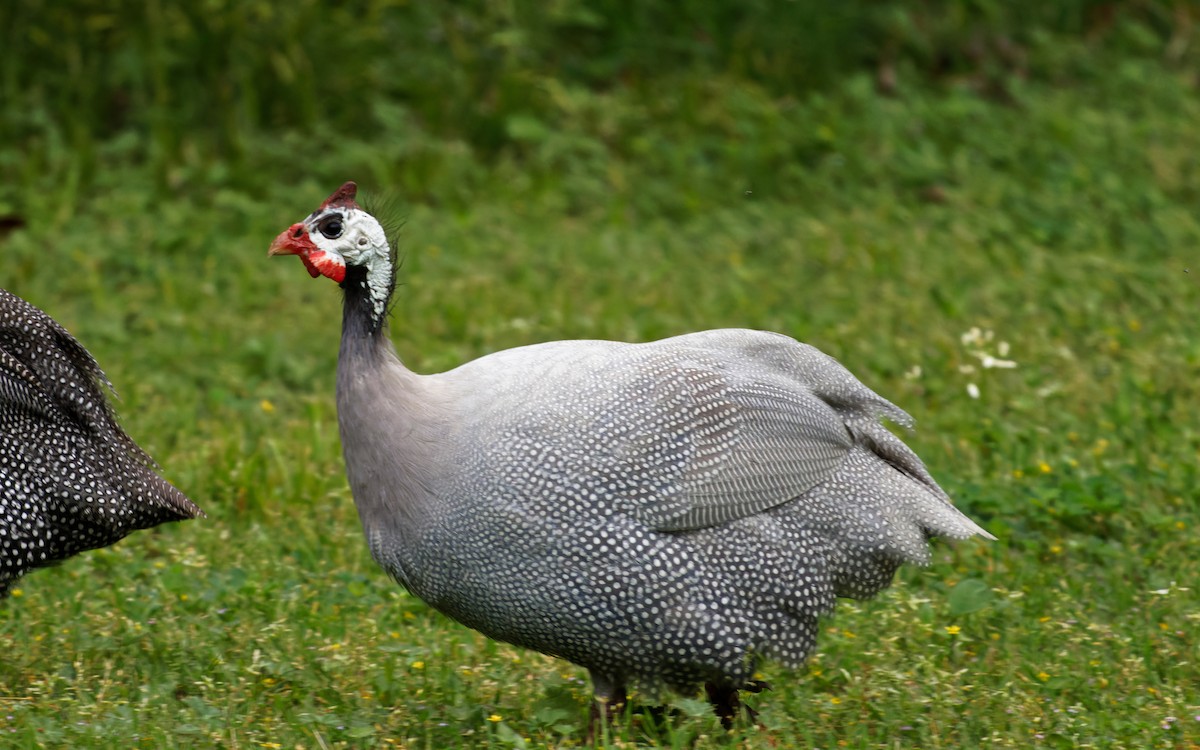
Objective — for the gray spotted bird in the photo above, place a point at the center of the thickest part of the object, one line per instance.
(70, 478)
(666, 514)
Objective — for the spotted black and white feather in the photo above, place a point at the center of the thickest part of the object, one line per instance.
(666, 514)
(70, 478)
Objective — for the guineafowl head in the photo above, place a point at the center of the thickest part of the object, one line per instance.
(342, 242)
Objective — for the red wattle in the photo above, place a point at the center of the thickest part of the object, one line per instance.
(329, 266)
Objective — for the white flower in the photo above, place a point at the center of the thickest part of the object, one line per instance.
(989, 362)
(978, 342)
(976, 337)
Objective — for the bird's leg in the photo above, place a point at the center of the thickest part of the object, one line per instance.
(724, 700)
(609, 701)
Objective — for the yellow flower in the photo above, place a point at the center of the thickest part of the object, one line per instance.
(835, 700)
(494, 718)
(418, 665)
(1056, 549)
(1163, 626)
(1043, 676)
(17, 593)
(266, 406)
(1178, 524)
(1044, 467)
(953, 629)
(409, 616)
(1044, 619)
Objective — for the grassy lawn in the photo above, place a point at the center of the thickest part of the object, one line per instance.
(1057, 226)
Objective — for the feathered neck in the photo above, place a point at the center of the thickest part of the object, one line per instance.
(364, 312)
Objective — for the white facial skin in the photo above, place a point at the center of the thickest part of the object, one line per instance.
(351, 236)
(350, 233)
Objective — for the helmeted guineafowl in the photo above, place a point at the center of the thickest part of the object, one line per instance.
(664, 514)
(70, 478)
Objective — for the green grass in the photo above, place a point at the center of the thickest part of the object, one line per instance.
(1061, 218)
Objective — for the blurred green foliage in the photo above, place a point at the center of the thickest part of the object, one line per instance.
(205, 90)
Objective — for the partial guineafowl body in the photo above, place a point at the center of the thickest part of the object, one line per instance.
(665, 514)
(70, 478)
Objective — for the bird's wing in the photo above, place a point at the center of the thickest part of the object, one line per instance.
(54, 409)
(698, 430)
(59, 367)
(20, 387)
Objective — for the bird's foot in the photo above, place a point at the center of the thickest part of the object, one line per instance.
(726, 701)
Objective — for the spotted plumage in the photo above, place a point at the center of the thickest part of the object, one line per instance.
(666, 514)
(70, 478)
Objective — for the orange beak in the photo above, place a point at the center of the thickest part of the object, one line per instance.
(292, 241)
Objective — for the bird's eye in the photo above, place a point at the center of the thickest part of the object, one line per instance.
(331, 227)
